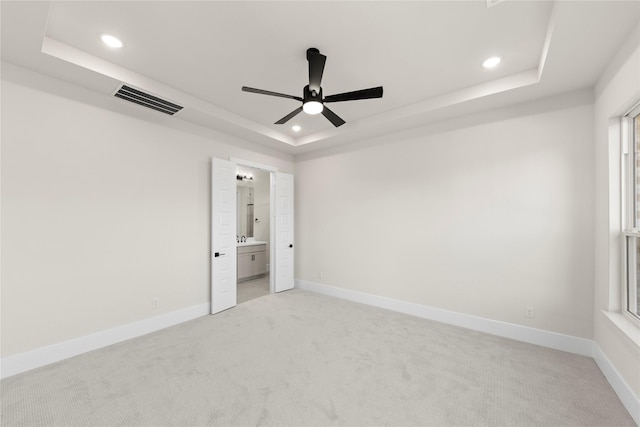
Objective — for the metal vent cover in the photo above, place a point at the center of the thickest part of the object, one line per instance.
(139, 97)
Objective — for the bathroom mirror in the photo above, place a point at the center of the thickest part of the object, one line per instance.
(244, 210)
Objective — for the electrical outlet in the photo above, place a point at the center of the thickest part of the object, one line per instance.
(155, 302)
(529, 312)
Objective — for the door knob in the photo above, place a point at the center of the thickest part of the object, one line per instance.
(291, 245)
(217, 254)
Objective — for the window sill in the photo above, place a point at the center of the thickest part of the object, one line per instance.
(626, 326)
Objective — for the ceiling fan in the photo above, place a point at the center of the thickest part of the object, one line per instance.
(312, 99)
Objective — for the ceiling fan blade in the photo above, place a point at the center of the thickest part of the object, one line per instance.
(374, 92)
(268, 92)
(289, 116)
(333, 117)
(316, 68)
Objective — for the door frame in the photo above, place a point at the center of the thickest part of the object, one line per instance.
(272, 200)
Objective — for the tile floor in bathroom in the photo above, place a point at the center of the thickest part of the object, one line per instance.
(252, 289)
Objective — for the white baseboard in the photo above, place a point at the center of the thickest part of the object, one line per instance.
(540, 337)
(21, 362)
(581, 346)
(619, 385)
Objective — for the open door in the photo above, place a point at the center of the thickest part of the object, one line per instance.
(284, 232)
(223, 232)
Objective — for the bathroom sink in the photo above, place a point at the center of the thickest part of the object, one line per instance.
(252, 243)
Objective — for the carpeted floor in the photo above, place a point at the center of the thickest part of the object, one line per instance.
(302, 359)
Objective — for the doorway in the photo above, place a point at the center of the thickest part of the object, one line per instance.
(253, 232)
(224, 245)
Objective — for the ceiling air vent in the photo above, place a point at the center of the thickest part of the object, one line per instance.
(146, 100)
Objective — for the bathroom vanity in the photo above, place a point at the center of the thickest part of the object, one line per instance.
(252, 260)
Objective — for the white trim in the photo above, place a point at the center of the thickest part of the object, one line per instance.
(627, 326)
(21, 362)
(619, 385)
(547, 39)
(581, 346)
(255, 165)
(628, 288)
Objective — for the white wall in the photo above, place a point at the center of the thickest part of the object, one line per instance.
(101, 211)
(262, 206)
(616, 92)
(482, 215)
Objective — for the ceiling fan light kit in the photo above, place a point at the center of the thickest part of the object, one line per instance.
(312, 98)
(312, 107)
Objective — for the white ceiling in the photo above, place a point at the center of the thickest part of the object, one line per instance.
(426, 54)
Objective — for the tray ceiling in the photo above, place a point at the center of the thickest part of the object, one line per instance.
(427, 55)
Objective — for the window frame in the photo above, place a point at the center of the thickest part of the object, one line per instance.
(630, 227)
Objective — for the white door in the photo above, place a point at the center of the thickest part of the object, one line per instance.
(284, 232)
(223, 235)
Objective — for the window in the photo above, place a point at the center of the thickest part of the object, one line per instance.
(631, 217)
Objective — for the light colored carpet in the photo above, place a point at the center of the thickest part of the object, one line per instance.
(302, 359)
(252, 289)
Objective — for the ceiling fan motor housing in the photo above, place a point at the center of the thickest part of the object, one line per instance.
(312, 51)
(310, 95)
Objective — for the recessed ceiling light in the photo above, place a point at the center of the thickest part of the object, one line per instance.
(296, 128)
(111, 41)
(492, 62)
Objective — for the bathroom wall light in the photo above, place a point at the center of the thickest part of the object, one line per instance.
(244, 176)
